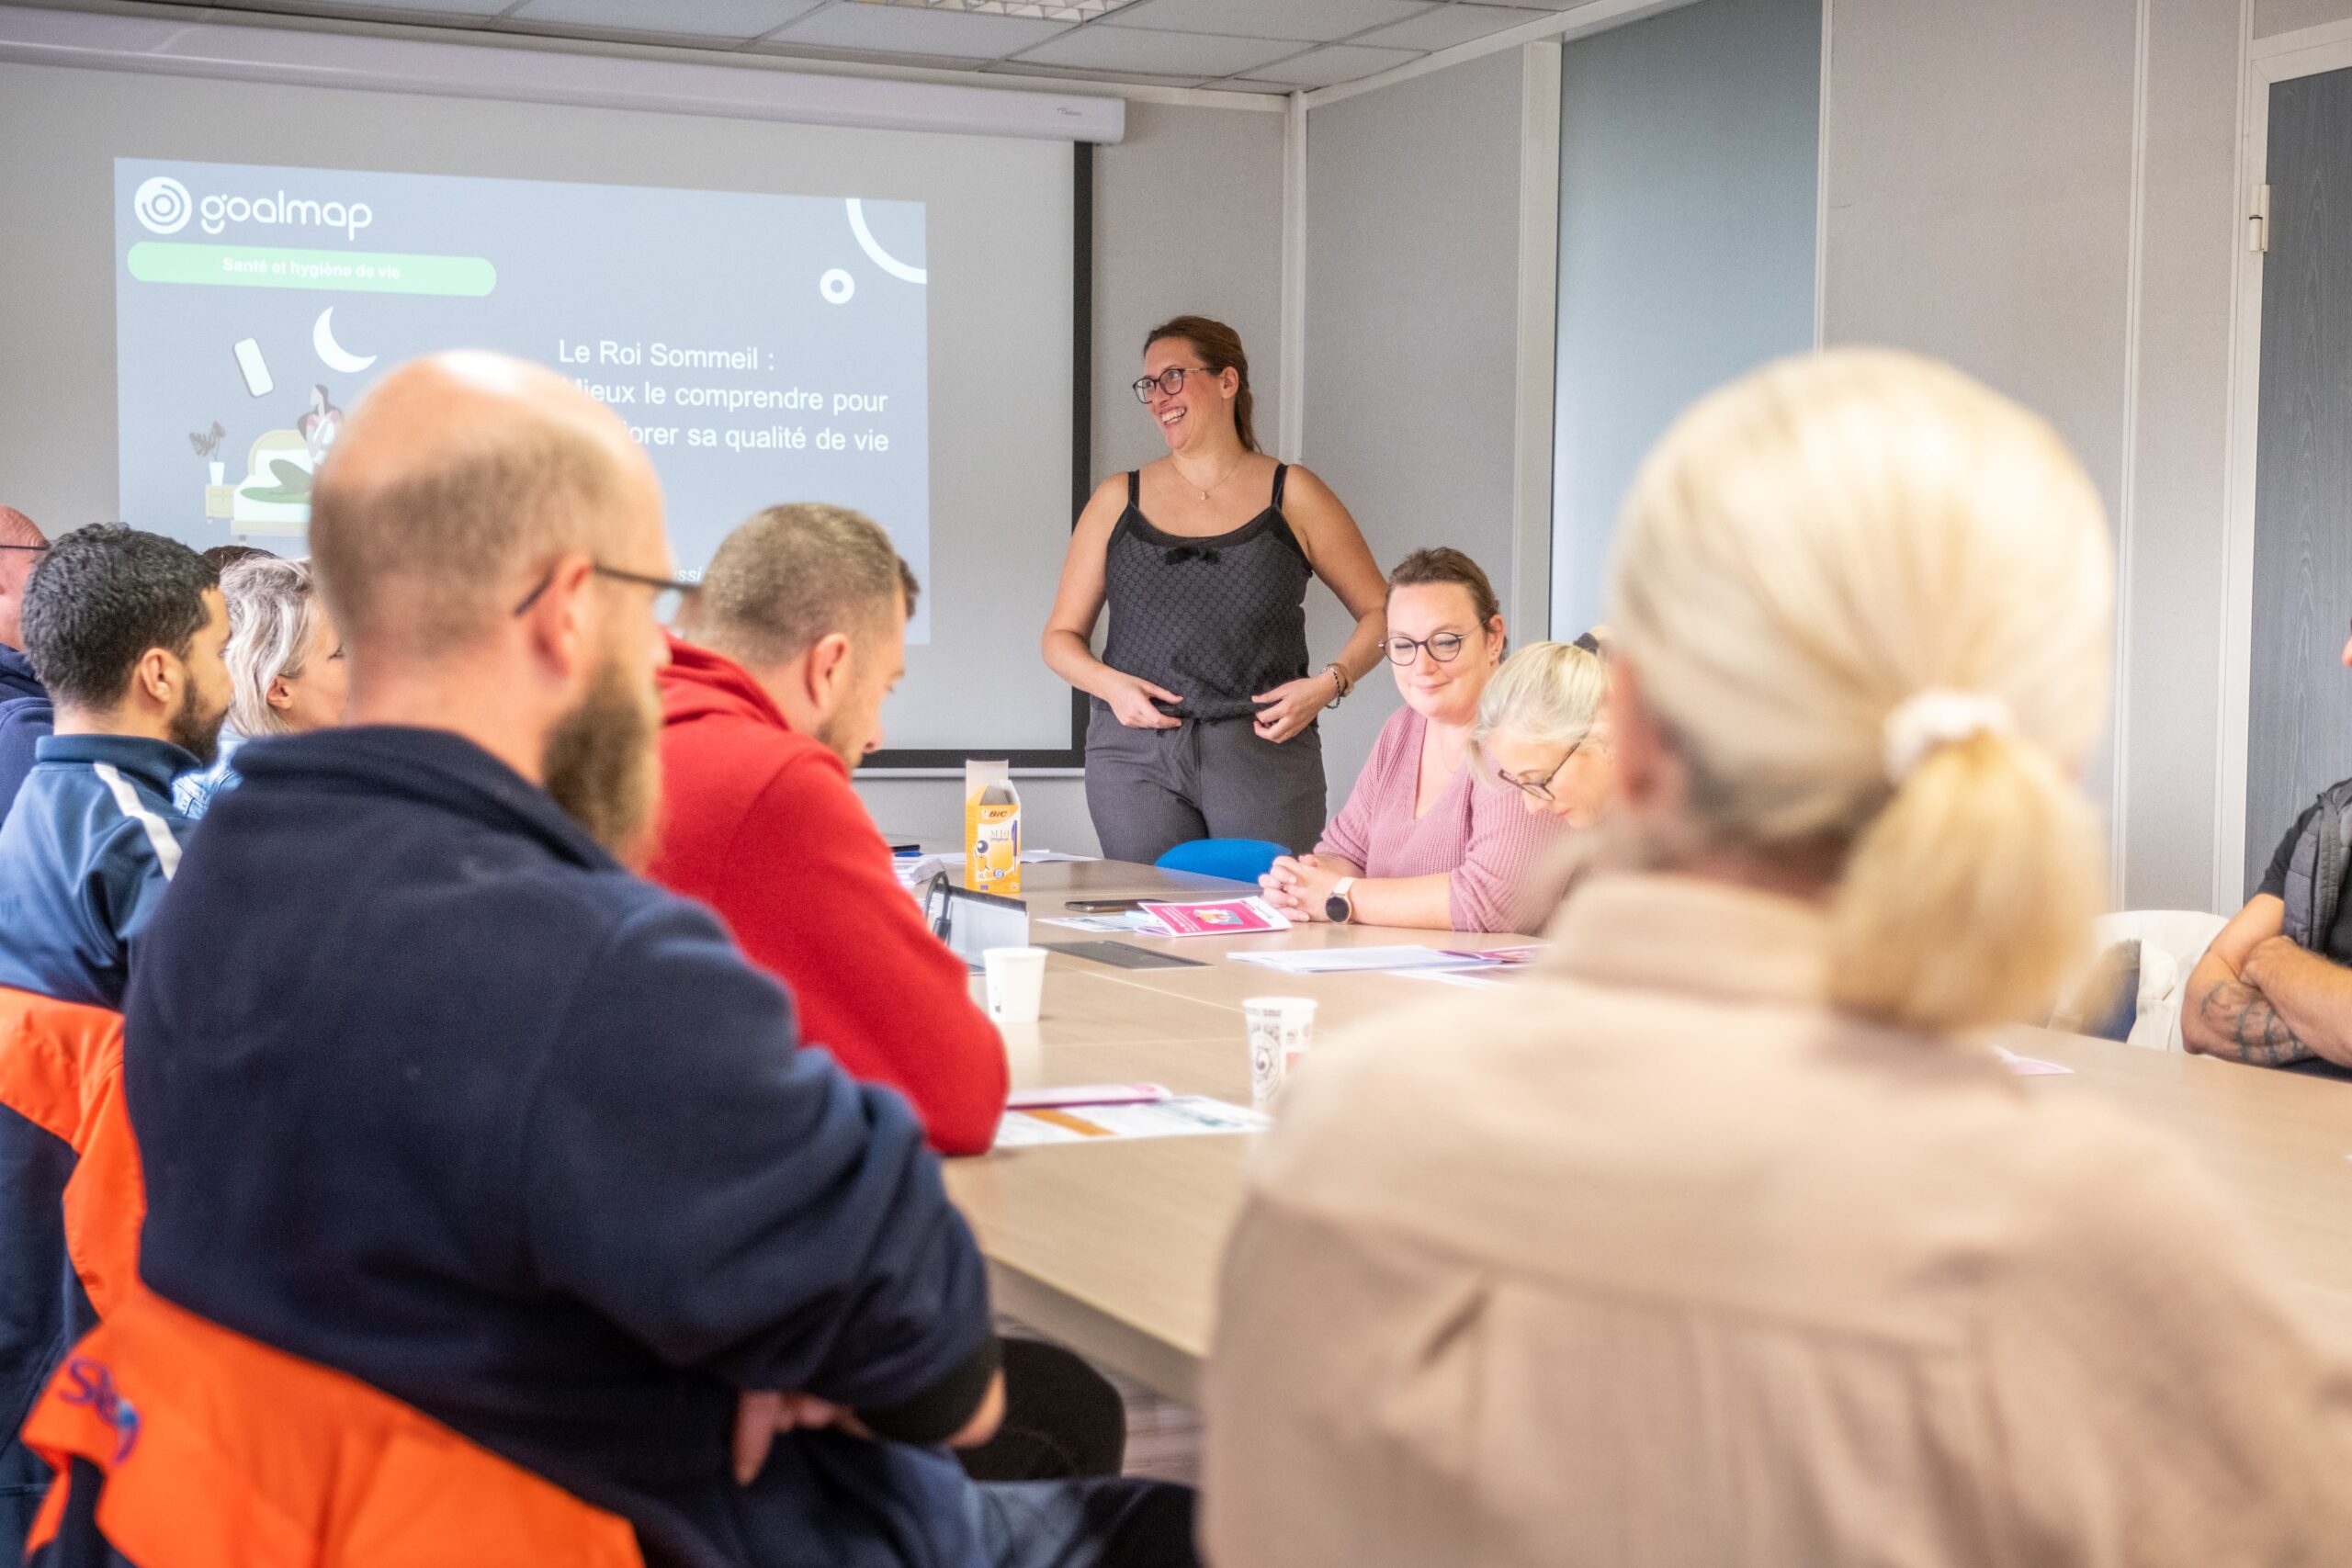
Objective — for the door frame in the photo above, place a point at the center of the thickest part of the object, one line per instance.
(2307, 52)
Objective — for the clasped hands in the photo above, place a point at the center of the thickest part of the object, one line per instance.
(1299, 885)
(1282, 713)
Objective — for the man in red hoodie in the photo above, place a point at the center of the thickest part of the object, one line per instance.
(800, 632)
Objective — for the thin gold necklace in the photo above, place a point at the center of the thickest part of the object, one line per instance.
(1230, 470)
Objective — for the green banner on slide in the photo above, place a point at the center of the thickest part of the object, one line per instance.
(270, 266)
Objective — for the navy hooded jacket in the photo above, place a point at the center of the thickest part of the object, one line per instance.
(86, 855)
(16, 677)
(428, 1089)
(25, 717)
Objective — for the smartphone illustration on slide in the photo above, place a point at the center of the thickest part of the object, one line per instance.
(256, 371)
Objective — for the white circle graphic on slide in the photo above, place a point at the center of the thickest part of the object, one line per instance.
(837, 287)
(163, 205)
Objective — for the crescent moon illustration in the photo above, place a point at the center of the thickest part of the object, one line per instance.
(334, 353)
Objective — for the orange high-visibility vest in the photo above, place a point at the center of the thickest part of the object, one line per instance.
(217, 1451)
(60, 1069)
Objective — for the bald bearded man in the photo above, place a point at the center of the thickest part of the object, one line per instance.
(433, 1090)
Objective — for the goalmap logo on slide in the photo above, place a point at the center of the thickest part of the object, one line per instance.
(163, 205)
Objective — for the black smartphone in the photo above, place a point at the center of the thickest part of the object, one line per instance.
(1102, 905)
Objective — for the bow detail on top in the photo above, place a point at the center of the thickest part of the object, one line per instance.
(1182, 553)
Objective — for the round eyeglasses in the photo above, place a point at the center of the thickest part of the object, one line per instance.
(1169, 381)
(1540, 788)
(1445, 646)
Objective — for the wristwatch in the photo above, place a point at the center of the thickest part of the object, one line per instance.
(1339, 908)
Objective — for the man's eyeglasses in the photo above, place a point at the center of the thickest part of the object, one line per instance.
(34, 548)
(1445, 646)
(1169, 381)
(668, 601)
(1540, 788)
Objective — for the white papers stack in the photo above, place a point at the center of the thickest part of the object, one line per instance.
(1359, 960)
(1190, 1116)
(913, 871)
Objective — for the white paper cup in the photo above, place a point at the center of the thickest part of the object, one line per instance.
(1280, 1030)
(1016, 983)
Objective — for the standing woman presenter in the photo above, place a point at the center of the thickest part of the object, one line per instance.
(1204, 696)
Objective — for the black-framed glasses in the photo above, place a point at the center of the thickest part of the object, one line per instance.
(1445, 646)
(668, 600)
(1171, 382)
(1540, 788)
(34, 548)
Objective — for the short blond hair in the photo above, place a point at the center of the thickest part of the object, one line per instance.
(791, 576)
(273, 615)
(1548, 694)
(1811, 546)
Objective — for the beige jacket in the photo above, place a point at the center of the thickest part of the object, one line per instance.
(1651, 1259)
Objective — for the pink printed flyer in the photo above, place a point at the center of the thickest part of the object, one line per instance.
(1221, 916)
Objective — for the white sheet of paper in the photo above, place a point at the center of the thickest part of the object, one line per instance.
(1189, 1115)
(2028, 1067)
(1028, 857)
(1359, 959)
(1131, 921)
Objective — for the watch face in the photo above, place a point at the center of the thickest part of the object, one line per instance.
(1337, 909)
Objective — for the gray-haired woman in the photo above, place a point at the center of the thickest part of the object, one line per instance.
(1544, 732)
(285, 667)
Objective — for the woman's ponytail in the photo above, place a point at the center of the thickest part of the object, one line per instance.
(1969, 896)
(1868, 601)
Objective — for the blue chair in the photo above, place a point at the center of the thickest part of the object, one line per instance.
(1236, 860)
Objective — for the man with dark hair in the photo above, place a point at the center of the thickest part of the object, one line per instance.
(25, 715)
(432, 1091)
(126, 630)
(799, 631)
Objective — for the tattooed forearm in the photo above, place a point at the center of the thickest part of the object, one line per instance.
(2241, 1024)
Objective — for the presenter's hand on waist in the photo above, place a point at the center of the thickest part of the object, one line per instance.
(1130, 698)
(1292, 706)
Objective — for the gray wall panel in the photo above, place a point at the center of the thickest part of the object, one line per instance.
(1412, 223)
(1689, 153)
(2274, 16)
(1979, 173)
(2191, 232)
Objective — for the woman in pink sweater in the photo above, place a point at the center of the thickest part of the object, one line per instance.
(1422, 842)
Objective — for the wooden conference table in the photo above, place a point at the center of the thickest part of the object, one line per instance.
(1112, 1249)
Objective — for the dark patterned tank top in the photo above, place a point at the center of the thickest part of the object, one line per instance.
(1216, 619)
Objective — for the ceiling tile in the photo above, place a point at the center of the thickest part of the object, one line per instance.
(1104, 48)
(1442, 26)
(1331, 66)
(732, 21)
(968, 35)
(1301, 21)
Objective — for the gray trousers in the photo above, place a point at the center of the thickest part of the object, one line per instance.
(1149, 790)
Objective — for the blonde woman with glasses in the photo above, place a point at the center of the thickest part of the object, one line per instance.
(1724, 1235)
(1541, 731)
(285, 667)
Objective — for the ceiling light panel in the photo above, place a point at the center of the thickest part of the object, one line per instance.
(1043, 10)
